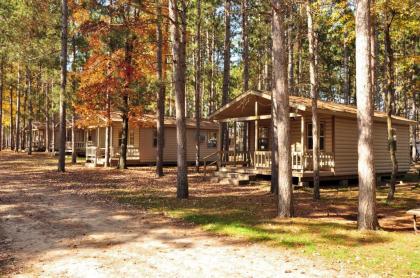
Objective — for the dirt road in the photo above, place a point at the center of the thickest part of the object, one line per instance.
(45, 232)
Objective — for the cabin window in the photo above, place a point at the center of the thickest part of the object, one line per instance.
(263, 138)
(211, 139)
(309, 137)
(202, 138)
(131, 138)
(155, 139)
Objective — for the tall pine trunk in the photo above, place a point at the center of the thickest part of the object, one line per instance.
(1, 101)
(62, 142)
(198, 89)
(30, 108)
(178, 30)
(314, 98)
(245, 41)
(367, 218)
(11, 127)
(73, 89)
(414, 129)
(389, 102)
(226, 72)
(290, 66)
(160, 119)
(18, 91)
(47, 119)
(281, 97)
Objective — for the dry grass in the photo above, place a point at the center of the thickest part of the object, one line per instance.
(326, 228)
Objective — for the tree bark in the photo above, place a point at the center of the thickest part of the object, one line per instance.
(226, 72)
(47, 119)
(414, 129)
(160, 128)
(12, 138)
(281, 97)
(245, 41)
(290, 68)
(23, 122)
(30, 108)
(1, 101)
(63, 104)
(314, 99)
(18, 91)
(367, 218)
(73, 87)
(178, 30)
(124, 136)
(198, 89)
(274, 148)
(346, 73)
(390, 92)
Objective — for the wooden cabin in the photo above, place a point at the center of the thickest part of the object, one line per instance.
(250, 137)
(142, 140)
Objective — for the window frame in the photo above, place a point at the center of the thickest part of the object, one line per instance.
(322, 145)
(212, 135)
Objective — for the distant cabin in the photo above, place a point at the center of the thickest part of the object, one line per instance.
(250, 135)
(142, 140)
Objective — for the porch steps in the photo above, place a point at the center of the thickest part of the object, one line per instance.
(232, 178)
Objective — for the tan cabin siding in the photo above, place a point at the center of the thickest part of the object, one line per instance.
(295, 132)
(148, 151)
(346, 147)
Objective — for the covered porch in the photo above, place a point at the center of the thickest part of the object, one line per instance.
(248, 118)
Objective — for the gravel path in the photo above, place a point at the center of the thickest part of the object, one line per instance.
(45, 232)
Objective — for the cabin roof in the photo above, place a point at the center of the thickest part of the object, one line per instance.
(243, 105)
(149, 120)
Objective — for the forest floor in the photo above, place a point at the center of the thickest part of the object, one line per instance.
(106, 222)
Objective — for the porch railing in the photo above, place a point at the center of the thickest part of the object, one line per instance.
(262, 159)
(78, 145)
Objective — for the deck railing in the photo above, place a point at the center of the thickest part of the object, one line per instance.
(78, 145)
(262, 159)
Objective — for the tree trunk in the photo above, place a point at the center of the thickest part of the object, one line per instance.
(373, 55)
(18, 91)
(198, 89)
(25, 127)
(12, 138)
(367, 218)
(30, 108)
(73, 139)
(178, 30)
(414, 129)
(245, 41)
(281, 97)
(47, 119)
(274, 148)
(1, 101)
(73, 87)
(226, 72)
(62, 143)
(290, 68)
(160, 128)
(108, 132)
(390, 91)
(314, 97)
(346, 73)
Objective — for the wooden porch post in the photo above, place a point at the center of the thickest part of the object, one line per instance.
(302, 141)
(97, 137)
(219, 146)
(234, 142)
(256, 133)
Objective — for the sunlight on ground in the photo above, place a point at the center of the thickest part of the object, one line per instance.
(326, 228)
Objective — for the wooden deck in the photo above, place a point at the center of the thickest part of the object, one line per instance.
(267, 171)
